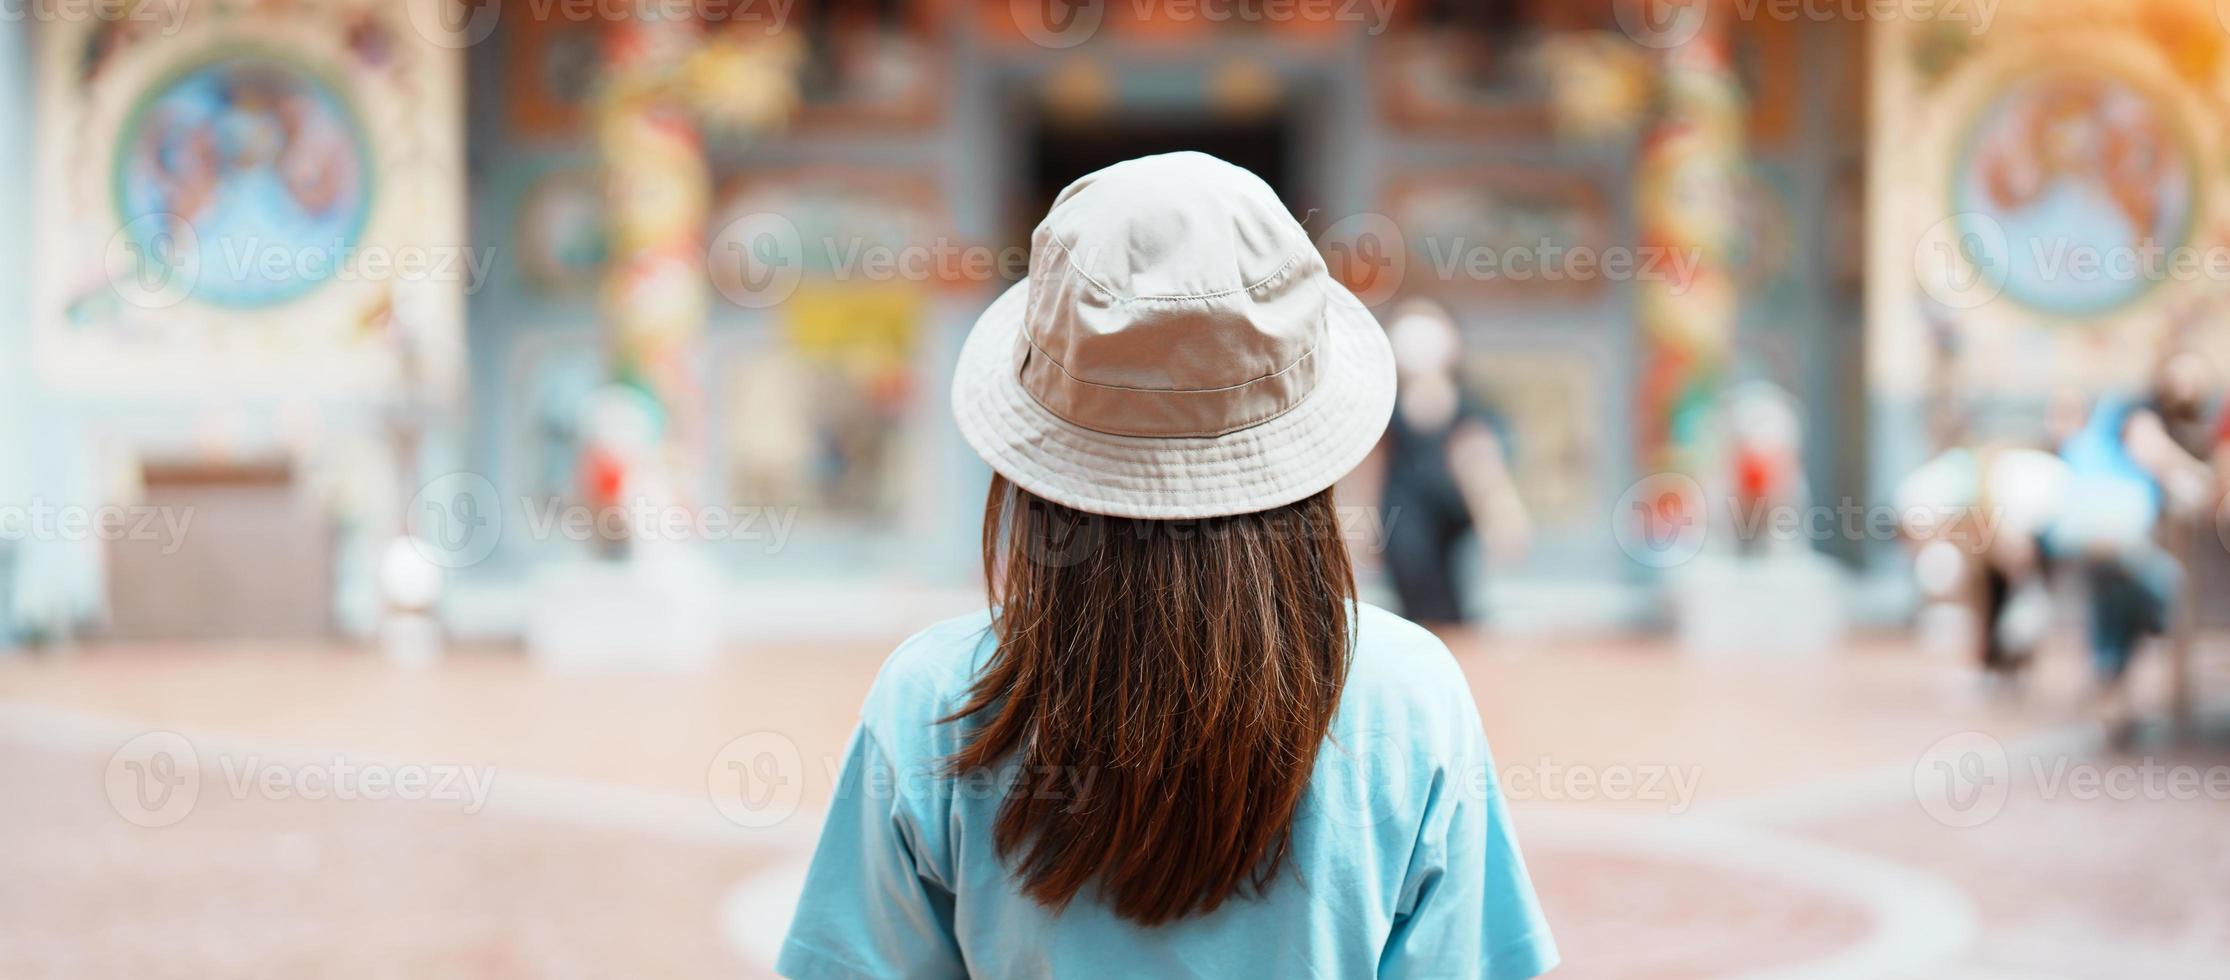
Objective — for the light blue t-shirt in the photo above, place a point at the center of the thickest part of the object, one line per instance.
(1403, 862)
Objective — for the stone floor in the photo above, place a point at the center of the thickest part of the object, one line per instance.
(1683, 818)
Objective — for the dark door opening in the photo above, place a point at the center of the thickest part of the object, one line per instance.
(1056, 153)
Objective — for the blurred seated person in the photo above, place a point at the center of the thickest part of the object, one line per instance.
(1975, 517)
(2126, 472)
(1444, 473)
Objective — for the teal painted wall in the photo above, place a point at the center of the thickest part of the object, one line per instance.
(16, 401)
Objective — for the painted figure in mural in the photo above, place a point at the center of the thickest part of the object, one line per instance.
(2080, 131)
(2078, 158)
(1445, 472)
(317, 156)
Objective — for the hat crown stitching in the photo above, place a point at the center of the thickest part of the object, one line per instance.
(1200, 359)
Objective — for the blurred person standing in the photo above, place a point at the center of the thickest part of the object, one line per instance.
(1444, 472)
(2127, 474)
(2182, 386)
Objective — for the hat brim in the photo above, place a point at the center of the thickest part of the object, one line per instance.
(1277, 462)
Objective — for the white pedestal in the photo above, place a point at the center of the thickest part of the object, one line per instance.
(1772, 604)
(410, 639)
(657, 611)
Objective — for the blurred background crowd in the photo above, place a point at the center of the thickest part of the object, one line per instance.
(462, 461)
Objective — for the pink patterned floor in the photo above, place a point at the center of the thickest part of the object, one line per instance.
(602, 851)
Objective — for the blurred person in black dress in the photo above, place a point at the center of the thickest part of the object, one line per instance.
(1445, 475)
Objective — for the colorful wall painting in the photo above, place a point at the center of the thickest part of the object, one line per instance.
(553, 64)
(242, 148)
(2082, 158)
(1463, 68)
(1442, 84)
(818, 419)
(772, 228)
(251, 196)
(882, 70)
(1766, 66)
(1546, 403)
(2004, 163)
(1766, 244)
(1502, 232)
(561, 236)
(551, 378)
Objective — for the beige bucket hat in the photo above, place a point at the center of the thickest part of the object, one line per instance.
(1178, 351)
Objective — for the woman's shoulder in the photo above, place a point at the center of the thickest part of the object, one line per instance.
(1385, 640)
(1404, 677)
(927, 677)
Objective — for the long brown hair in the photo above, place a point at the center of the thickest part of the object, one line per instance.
(1162, 688)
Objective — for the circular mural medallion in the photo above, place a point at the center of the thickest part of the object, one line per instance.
(256, 163)
(2073, 190)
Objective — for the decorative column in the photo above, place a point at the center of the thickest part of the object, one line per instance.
(1687, 202)
(665, 71)
(655, 293)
